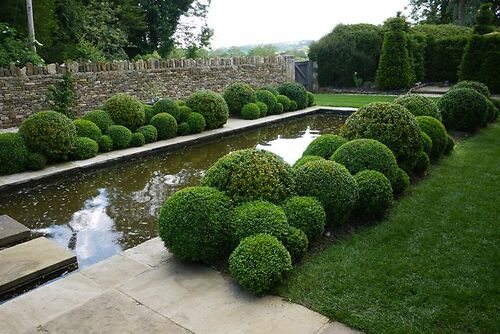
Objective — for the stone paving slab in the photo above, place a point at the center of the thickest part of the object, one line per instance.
(151, 253)
(12, 232)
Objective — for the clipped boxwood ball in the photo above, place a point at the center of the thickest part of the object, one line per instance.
(450, 145)
(181, 103)
(437, 132)
(85, 148)
(125, 110)
(492, 111)
(237, 95)
(278, 109)
(137, 140)
(401, 183)
(293, 105)
(285, 101)
(262, 108)
(251, 174)
(100, 118)
(259, 262)
(306, 159)
(332, 185)
(120, 135)
(193, 224)
(105, 144)
(271, 89)
(324, 146)
(250, 111)
(13, 153)
(268, 98)
(49, 133)
(36, 161)
(463, 109)
(423, 163)
(168, 106)
(85, 128)
(196, 122)
(389, 123)
(185, 112)
(375, 194)
(165, 124)
(149, 132)
(211, 105)
(310, 99)
(426, 142)
(296, 92)
(306, 214)
(183, 129)
(295, 241)
(419, 105)
(149, 113)
(479, 87)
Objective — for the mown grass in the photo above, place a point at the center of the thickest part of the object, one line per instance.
(350, 100)
(432, 266)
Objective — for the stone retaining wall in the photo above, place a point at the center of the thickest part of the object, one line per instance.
(23, 90)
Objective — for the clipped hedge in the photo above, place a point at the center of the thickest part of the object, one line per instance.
(88, 129)
(196, 122)
(324, 146)
(250, 111)
(105, 143)
(238, 95)
(489, 71)
(165, 124)
(211, 105)
(120, 135)
(306, 214)
(419, 105)
(437, 133)
(125, 110)
(85, 148)
(463, 109)
(296, 92)
(100, 118)
(13, 153)
(375, 194)
(168, 106)
(149, 132)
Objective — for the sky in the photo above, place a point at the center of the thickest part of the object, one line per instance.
(242, 22)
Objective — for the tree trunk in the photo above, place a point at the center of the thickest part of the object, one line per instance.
(461, 12)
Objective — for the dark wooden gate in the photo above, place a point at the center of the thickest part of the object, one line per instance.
(304, 74)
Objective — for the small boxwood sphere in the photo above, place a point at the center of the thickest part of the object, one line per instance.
(165, 124)
(250, 111)
(293, 105)
(324, 146)
(13, 153)
(268, 98)
(193, 224)
(181, 103)
(183, 129)
(295, 241)
(251, 174)
(306, 159)
(85, 128)
(450, 145)
(100, 118)
(185, 112)
(479, 87)
(332, 185)
(426, 142)
(436, 131)
(149, 113)
(278, 109)
(492, 111)
(137, 140)
(238, 95)
(49, 133)
(125, 110)
(306, 214)
(423, 163)
(262, 108)
(296, 92)
(259, 262)
(310, 99)
(36, 161)
(271, 89)
(168, 106)
(120, 135)
(105, 144)
(85, 148)
(419, 105)
(150, 133)
(375, 194)
(401, 183)
(285, 101)
(212, 106)
(463, 109)
(196, 122)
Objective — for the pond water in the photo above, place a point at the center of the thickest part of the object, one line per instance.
(101, 213)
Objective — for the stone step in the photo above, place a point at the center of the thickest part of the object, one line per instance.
(32, 262)
(12, 232)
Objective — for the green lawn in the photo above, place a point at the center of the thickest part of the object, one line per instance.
(350, 100)
(433, 266)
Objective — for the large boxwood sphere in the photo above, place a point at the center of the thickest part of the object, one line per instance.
(390, 124)
(296, 92)
(149, 132)
(125, 110)
(165, 124)
(463, 109)
(331, 184)
(193, 224)
(13, 153)
(268, 98)
(237, 95)
(437, 132)
(250, 111)
(120, 135)
(259, 262)
(251, 174)
(88, 129)
(324, 146)
(419, 105)
(306, 214)
(168, 106)
(479, 87)
(211, 105)
(305, 159)
(49, 133)
(375, 194)
(85, 148)
(196, 122)
(100, 118)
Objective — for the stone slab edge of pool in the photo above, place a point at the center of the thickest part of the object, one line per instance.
(233, 126)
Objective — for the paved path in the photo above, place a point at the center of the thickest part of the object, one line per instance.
(144, 290)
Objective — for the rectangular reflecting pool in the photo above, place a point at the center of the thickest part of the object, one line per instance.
(98, 214)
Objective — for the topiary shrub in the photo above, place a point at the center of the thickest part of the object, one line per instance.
(375, 194)
(250, 111)
(149, 113)
(436, 131)
(49, 133)
(196, 122)
(165, 124)
(125, 110)
(332, 185)
(489, 71)
(88, 129)
(238, 95)
(390, 124)
(295, 241)
(278, 109)
(305, 159)
(475, 85)
(324, 146)
(285, 101)
(149, 132)
(181, 103)
(259, 262)
(401, 183)
(310, 99)
(251, 174)
(168, 106)
(294, 91)
(211, 105)
(306, 214)
(492, 111)
(463, 109)
(137, 140)
(423, 163)
(419, 105)
(183, 129)
(268, 98)
(85, 148)
(193, 224)
(120, 135)
(100, 118)
(185, 111)
(270, 89)
(450, 145)
(14, 154)
(426, 143)
(262, 108)
(293, 105)
(36, 161)
(105, 144)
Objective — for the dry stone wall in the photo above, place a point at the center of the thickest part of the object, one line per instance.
(23, 90)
